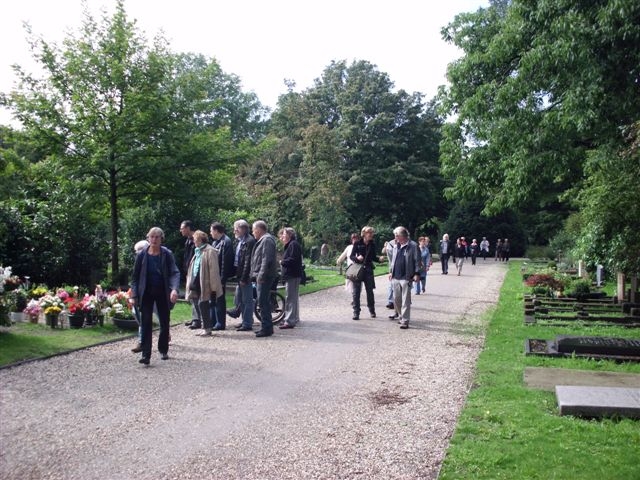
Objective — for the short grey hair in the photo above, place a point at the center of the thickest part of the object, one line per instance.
(401, 232)
(261, 224)
(242, 223)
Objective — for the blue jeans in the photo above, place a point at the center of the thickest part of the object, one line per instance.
(264, 302)
(244, 303)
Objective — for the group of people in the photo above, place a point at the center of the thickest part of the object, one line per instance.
(207, 267)
(408, 262)
(463, 250)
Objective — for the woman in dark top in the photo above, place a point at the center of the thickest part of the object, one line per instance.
(364, 252)
(291, 274)
(155, 282)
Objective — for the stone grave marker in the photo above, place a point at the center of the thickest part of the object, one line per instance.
(598, 401)
(598, 345)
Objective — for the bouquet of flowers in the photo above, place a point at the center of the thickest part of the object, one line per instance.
(33, 308)
(118, 305)
(51, 304)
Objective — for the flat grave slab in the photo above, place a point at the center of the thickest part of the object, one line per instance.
(543, 378)
(596, 402)
(618, 349)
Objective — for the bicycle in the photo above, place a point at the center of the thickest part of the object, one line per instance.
(277, 303)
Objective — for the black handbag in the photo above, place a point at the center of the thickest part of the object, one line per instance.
(355, 272)
(194, 286)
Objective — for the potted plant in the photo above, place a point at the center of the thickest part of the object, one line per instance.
(18, 302)
(33, 310)
(75, 312)
(120, 311)
(51, 305)
(8, 284)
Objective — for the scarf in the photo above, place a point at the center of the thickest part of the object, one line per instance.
(196, 260)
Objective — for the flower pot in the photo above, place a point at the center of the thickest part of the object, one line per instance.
(125, 323)
(33, 318)
(51, 319)
(76, 320)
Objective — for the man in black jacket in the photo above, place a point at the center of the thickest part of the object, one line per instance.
(242, 263)
(186, 230)
(222, 243)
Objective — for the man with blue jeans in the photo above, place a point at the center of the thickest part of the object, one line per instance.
(242, 263)
(264, 268)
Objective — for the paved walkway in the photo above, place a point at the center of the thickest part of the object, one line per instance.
(333, 398)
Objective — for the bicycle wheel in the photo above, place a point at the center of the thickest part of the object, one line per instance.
(277, 308)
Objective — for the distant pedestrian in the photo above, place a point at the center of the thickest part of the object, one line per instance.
(365, 253)
(264, 269)
(498, 254)
(484, 248)
(243, 299)
(425, 264)
(474, 249)
(506, 250)
(223, 244)
(461, 252)
(445, 251)
(345, 256)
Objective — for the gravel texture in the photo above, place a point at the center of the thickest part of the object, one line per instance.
(331, 399)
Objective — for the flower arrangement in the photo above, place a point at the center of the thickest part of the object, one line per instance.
(118, 305)
(51, 304)
(33, 308)
(39, 291)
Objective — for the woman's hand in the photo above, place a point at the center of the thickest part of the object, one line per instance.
(173, 296)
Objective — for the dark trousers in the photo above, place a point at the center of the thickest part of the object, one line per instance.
(369, 285)
(157, 297)
(264, 301)
(444, 259)
(473, 259)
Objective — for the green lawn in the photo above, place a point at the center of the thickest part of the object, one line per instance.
(507, 431)
(25, 341)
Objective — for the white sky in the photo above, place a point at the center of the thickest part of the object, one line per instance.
(265, 41)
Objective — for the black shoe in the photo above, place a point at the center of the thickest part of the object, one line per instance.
(137, 348)
(244, 329)
(390, 306)
(144, 361)
(233, 313)
(393, 317)
(195, 326)
(262, 333)
(186, 324)
(373, 314)
(356, 317)
(404, 326)
(164, 356)
(218, 327)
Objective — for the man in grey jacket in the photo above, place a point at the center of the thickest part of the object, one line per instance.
(264, 268)
(403, 270)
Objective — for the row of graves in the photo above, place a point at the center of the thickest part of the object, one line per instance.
(582, 393)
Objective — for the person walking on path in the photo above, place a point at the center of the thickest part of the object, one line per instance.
(155, 282)
(346, 256)
(484, 248)
(291, 264)
(445, 252)
(404, 268)
(461, 252)
(265, 271)
(498, 250)
(204, 284)
(506, 250)
(425, 264)
(474, 249)
(365, 252)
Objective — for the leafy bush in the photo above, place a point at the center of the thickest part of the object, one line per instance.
(545, 280)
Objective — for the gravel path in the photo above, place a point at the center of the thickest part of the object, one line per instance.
(332, 399)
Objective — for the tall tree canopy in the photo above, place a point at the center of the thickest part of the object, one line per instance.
(351, 151)
(132, 122)
(542, 87)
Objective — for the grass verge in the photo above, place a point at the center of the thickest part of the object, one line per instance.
(26, 341)
(508, 431)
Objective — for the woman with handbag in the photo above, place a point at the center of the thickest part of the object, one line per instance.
(291, 264)
(363, 254)
(204, 284)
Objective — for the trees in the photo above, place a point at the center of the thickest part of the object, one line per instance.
(350, 151)
(132, 122)
(543, 87)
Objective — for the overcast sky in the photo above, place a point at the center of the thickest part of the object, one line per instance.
(266, 41)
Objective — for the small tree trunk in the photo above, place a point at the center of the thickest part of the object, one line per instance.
(633, 298)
